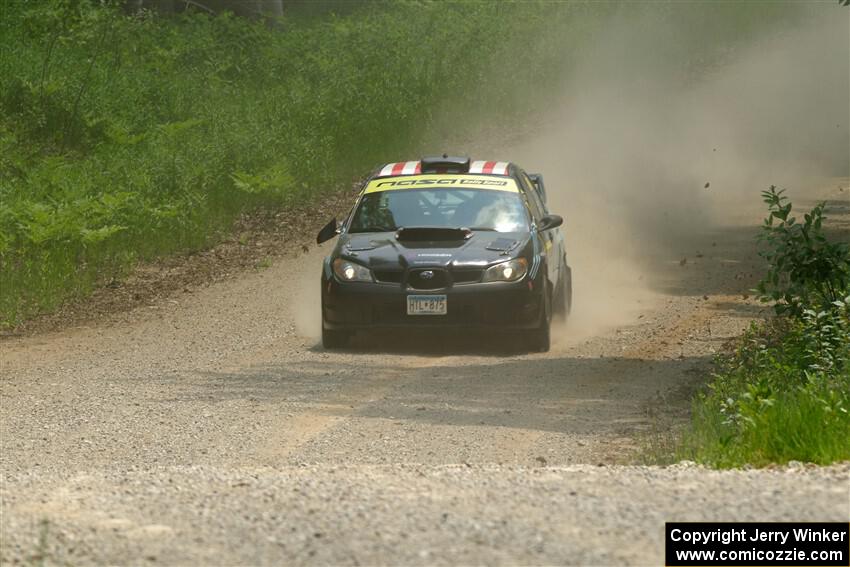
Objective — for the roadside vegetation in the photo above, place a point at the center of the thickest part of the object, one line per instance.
(126, 137)
(129, 137)
(784, 393)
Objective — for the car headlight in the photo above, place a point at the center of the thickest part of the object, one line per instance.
(509, 271)
(349, 271)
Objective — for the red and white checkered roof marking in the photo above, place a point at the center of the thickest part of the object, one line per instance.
(489, 167)
(401, 168)
(415, 167)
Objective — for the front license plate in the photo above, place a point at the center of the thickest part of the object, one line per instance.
(427, 305)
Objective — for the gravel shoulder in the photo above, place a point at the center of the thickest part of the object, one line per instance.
(396, 514)
(209, 427)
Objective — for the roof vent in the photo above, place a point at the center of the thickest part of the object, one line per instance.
(445, 164)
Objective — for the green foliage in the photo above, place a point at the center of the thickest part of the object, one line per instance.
(129, 137)
(778, 398)
(801, 425)
(784, 394)
(805, 268)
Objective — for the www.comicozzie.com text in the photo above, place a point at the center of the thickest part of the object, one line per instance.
(726, 536)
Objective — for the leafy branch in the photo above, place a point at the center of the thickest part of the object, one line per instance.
(805, 269)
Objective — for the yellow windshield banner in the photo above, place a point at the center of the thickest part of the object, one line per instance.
(444, 180)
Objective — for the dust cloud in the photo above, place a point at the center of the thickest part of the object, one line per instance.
(648, 146)
(641, 156)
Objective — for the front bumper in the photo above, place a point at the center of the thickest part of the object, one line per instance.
(496, 305)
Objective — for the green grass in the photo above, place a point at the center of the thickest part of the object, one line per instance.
(797, 427)
(783, 395)
(126, 138)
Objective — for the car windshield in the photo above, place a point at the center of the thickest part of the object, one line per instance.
(477, 209)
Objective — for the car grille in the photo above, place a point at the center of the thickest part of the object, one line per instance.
(438, 280)
(428, 278)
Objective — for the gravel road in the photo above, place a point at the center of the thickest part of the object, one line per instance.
(209, 427)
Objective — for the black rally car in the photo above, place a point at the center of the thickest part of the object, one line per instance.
(446, 242)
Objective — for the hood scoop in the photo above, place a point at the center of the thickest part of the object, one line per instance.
(502, 245)
(432, 234)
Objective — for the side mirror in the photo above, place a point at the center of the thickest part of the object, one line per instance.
(328, 231)
(549, 222)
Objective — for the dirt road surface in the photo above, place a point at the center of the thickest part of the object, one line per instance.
(211, 428)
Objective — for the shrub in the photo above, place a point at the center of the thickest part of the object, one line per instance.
(805, 270)
(784, 393)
